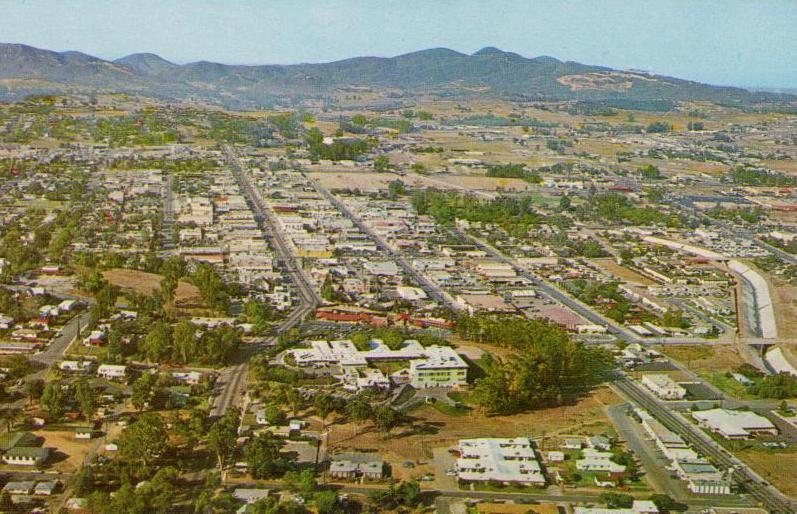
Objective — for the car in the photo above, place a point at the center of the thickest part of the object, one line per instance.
(451, 473)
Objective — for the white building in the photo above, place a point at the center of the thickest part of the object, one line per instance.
(434, 366)
(638, 507)
(664, 387)
(111, 371)
(598, 461)
(502, 460)
(733, 424)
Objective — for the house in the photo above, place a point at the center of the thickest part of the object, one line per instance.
(189, 377)
(349, 466)
(26, 456)
(13, 439)
(594, 460)
(19, 488)
(572, 444)
(556, 456)
(84, 432)
(111, 371)
(249, 495)
(599, 442)
(45, 488)
(664, 387)
(509, 461)
(75, 366)
(732, 424)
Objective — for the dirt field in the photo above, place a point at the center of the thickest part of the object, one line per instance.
(69, 452)
(705, 359)
(143, 282)
(623, 273)
(353, 180)
(433, 429)
(777, 467)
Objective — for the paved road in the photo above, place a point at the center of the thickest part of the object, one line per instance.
(768, 495)
(431, 289)
(55, 350)
(232, 380)
(553, 292)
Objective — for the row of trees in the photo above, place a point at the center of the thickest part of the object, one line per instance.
(183, 344)
(546, 367)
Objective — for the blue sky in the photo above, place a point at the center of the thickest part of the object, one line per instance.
(736, 42)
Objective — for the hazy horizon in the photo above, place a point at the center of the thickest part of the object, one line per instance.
(732, 43)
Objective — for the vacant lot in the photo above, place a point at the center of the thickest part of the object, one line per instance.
(622, 272)
(146, 283)
(69, 453)
(359, 180)
(433, 429)
(705, 359)
(775, 466)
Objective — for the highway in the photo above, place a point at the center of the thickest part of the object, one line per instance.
(431, 289)
(233, 378)
(768, 495)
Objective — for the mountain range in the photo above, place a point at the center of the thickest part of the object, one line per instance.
(439, 71)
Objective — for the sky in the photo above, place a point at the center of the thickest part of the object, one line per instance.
(750, 43)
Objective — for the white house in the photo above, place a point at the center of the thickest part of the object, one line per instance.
(111, 371)
(75, 366)
(595, 460)
(664, 387)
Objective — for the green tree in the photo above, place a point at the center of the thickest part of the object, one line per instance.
(52, 400)
(144, 440)
(263, 457)
(302, 482)
(222, 435)
(381, 163)
(84, 394)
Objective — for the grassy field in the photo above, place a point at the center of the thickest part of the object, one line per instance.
(705, 360)
(147, 283)
(776, 466)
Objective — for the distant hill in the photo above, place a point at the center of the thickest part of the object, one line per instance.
(488, 72)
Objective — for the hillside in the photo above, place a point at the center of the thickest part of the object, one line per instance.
(489, 71)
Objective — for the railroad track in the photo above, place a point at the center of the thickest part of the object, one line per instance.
(767, 495)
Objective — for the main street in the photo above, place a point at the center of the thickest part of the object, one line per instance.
(431, 289)
(233, 378)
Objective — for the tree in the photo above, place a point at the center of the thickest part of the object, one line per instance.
(184, 342)
(34, 389)
(144, 440)
(358, 410)
(85, 397)
(142, 391)
(324, 406)
(565, 202)
(616, 500)
(666, 504)
(326, 502)
(222, 435)
(381, 163)
(410, 493)
(167, 289)
(156, 345)
(83, 481)
(52, 400)
(396, 188)
(385, 419)
(263, 458)
(303, 483)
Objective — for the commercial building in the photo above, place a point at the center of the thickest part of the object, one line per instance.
(509, 461)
